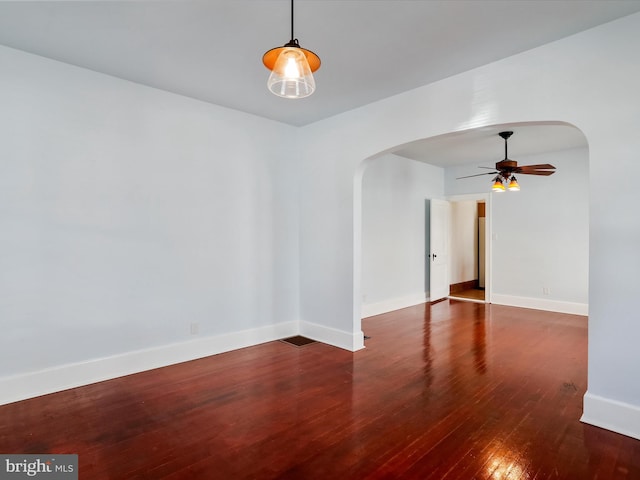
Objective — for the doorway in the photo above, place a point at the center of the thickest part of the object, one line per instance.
(468, 250)
(458, 248)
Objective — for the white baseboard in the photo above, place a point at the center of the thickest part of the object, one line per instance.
(612, 415)
(34, 384)
(351, 341)
(541, 304)
(371, 309)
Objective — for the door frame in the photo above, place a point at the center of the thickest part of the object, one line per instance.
(486, 197)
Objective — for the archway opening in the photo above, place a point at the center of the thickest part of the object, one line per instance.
(539, 252)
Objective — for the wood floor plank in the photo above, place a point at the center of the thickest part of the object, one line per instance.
(454, 390)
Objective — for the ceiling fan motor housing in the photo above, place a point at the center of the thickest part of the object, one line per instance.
(506, 167)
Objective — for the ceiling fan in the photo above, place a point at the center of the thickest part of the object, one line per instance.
(506, 169)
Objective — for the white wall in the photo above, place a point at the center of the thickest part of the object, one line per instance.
(394, 195)
(540, 235)
(589, 80)
(463, 263)
(126, 215)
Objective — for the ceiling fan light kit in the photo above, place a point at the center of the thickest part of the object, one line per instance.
(291, 68)
(506, 170)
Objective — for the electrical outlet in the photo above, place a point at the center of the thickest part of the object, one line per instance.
(194, 328)
(546, 291)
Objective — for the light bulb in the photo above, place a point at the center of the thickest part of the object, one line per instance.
(291, 69)
(498, 186)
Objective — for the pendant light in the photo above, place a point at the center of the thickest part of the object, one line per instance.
(513, 184)
(291, 68)
(498, 186)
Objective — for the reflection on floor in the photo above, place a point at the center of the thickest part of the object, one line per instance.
(471, 294)
(453, 390)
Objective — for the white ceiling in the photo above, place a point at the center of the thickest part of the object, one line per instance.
(370, 49)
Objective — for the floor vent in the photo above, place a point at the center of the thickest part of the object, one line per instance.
(298, 341)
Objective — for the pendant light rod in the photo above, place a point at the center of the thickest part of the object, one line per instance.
(292, 36)
(294, 41)
(506, 136)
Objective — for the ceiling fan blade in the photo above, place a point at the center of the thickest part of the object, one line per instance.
(541, 166)
(478, 175)
(488, 168)
(537, 172)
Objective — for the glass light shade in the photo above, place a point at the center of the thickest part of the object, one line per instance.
(291, 75)
(513, 184)
(498, 186)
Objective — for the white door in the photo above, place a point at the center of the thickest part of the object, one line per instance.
(439, 250)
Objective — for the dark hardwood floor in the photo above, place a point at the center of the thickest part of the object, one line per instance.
(453, 390)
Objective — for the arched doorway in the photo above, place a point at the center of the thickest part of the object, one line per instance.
(538, 142)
